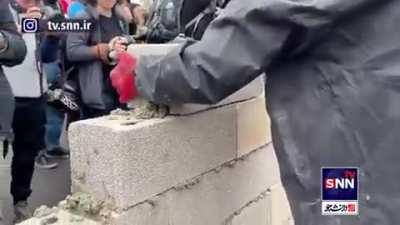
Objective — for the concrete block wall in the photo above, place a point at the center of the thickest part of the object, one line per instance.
(205, 165)
(215, 197)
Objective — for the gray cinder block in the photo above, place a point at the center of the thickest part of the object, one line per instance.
(252, 90)
(215, 197)
(129, 164)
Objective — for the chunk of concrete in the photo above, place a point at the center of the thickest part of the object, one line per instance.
(60, 218)
(127, 164)
(253, 125)
(214, 197)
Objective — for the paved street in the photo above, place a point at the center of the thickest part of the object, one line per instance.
(49, 187)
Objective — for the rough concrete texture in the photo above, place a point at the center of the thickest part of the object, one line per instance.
(86, 205)
(61, 217)
(127, 164)
(280, 208)
(142, 109)
(213, 198)
(139, 50)
(253, 125)
(252, 90)
(256, 213)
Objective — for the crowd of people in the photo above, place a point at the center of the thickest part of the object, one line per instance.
(65, 76)
(36, 79)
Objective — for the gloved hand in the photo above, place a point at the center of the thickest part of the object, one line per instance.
(118, 44)
(123, 77)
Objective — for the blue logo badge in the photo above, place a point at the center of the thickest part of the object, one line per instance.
(339, 191)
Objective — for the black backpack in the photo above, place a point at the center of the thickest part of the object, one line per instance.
(189, 18)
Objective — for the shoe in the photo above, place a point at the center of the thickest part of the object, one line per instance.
(57, 153)
(42, 162)
(22, 212)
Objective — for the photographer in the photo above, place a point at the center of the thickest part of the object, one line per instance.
(12, 53)
(50, 54)
(90, 51)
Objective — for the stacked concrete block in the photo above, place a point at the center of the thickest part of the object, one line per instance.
(139, 50)
(254, 214)
(204, 164)
(254, 89)
(129, 164)
(216, 197)
(280, 209)
(250, 91)
(252, 123)
(210, 166)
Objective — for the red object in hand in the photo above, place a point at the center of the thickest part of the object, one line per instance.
(123, 77)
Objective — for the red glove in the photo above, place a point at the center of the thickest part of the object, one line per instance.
(123, 77)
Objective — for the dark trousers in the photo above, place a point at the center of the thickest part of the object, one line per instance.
(29, 131)
(90, 113)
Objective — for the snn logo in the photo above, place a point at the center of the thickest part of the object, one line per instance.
(339, 183)
(339, 186)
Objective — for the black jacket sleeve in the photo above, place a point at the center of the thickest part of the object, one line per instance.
(15, 52)
(237, 47)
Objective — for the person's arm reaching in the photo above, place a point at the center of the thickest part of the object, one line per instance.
(12, 46)
(238, 46)
(77, 48)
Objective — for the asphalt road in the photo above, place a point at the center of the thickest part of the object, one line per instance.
(49, 187)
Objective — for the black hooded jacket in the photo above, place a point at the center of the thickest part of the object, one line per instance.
(333, 91)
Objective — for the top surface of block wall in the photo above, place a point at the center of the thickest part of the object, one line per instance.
(252, 90)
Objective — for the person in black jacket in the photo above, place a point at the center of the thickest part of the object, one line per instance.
(90, 53)
(333, 91)
(12, 53)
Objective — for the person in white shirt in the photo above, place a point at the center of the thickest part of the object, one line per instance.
(12, 53)
(29, 87)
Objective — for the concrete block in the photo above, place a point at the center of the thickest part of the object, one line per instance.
(127, 164)
(139, 50)
(253, 125)
(212, 198)
(280, 208)
(290, 222)
(255, 214)
(252, 90)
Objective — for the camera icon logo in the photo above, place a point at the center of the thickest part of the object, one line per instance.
(30, 25)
